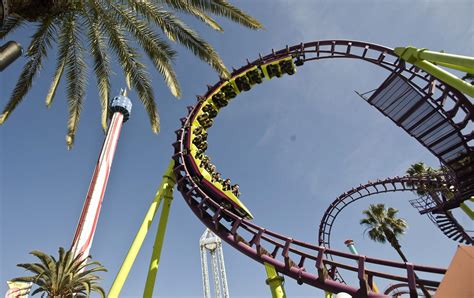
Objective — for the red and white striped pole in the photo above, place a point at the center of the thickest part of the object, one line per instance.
(120, 109)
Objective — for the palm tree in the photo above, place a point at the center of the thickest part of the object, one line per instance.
(67, 277)
(111, 27)
(420, 170)
(384, 226)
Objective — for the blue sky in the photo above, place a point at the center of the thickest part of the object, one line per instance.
(293, 144)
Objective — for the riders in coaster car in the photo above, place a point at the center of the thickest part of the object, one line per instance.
(243, 83)
(287, 66)
(220, 99)
(229, 91)
(254, 76)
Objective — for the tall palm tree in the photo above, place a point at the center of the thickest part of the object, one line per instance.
(67, 277)
(102, 27)
(382, 225)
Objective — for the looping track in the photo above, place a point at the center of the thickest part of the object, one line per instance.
(395, 184)
(444, 221)
(432, 112)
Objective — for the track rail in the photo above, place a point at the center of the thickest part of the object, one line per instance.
(444, 221)
(395, 184)
(307, 263)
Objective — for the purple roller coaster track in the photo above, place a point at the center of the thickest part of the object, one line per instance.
(425, 107)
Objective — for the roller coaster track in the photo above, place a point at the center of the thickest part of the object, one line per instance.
(444, 221)
(394, 290)
(429, 110)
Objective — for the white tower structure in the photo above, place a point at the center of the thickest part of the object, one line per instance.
(209, 242)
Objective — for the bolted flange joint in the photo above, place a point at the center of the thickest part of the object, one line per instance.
(121, 104)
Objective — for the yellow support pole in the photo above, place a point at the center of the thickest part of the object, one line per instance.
(457, 67)
(328, 294)
(450, 59)
(166, 183)
(275, 282)
(160, 235)
(425, 60)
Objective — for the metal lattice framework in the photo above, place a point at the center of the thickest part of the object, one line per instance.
(400, 289)
(436, 115)
(395, 184)
(444, 220)
(210, 243)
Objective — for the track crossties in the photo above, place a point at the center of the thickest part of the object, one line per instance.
(429, 110)
(444, 220)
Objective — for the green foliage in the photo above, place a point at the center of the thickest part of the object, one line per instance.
(113, 27)
(382, 225)
(67, 276)
(420, 170)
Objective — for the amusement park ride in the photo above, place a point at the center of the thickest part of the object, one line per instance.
(429, 103)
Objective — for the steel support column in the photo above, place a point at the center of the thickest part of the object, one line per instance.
(275, 282)
(168, 182)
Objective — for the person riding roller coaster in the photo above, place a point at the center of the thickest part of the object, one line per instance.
(202, 145)
(210, 111)
(235, 190)
(226, 184)
(220, 99)
(217, 177)
(287, 67)
(254, 76)
(205, 121)
(198, 130)
(199, 154)
(212, 169)
(200, 139)
(243, 83)
(205, 161)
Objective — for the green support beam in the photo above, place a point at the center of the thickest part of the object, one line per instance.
(427, 61)
(160, 235)
(166, 186)
(275, 282)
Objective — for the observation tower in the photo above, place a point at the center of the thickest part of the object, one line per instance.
(120, 109)
(209, 242)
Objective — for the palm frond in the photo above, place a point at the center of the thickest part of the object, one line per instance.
(220, 8)
(184, 6)
(48, 262)
(99, 290)
(24, 279)
(10, 24)
(101, 63)
(160, 53)
(76, 79)
(205, 18)
(37, 50)
(36, 268)
(183, 34)
(37, 291)
(128, 59)
(63, 51)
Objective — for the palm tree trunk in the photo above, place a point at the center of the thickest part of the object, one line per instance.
(398, 248)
